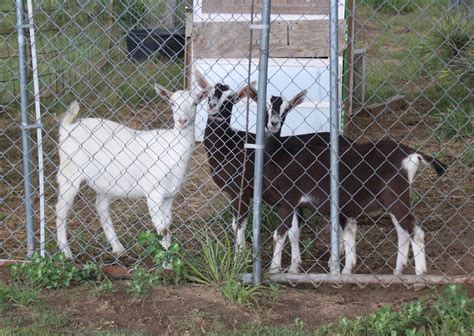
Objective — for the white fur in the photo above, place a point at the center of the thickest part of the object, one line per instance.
(278, 244)
(215, 104)
(307, 199)
(418, 246)
(240, 233)
(120, 162)
(410, 164)
(294, 237)
(349, 237)
(403, 246)
(274, 122)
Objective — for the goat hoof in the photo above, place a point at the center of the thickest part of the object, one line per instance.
(274, 270)
(397, 272)
(346, 271)
(294, 270)
(119, 252)
(67, 253)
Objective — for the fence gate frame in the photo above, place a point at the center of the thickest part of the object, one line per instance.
(256, 277)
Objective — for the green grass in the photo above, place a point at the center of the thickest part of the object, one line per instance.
(456, 123)
(393, 6)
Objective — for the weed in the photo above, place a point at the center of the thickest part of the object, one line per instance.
(142, 281)
(274, 290)
(18, 294)
(392, 6)
(236, 292)
(169, 265)
(219, 265)
(51, 319)
(53, 272)
(451, 314)
(307, 243)
(457, 123)
(415, 197)
(163, 259)
(451, 37)
(103, 287)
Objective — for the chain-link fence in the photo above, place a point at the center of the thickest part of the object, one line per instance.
(404, 86)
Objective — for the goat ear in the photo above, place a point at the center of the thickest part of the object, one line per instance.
(202, 82)
(249, 91)
(296, 100)
(204, 93)
(162, 92)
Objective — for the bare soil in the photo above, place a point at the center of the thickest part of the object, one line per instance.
(198, 309)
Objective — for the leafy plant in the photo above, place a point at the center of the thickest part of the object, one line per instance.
(104, 287)
(52, 272)
(451, 314)
(142, 281)
(55, 272)
(218, 262)
(169, 265)
(168, 262)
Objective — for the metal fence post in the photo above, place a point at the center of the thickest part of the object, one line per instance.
(334, 127)
(260, 139)
(25, 127)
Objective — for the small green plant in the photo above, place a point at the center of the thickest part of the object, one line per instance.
(53, 272)
(103, 287)
(169, 265)
(451, 314)
(274, 290)
(237, 292)
(451, 37)
(168, 262)
(142, 281)
(17, 294)
(221, 266)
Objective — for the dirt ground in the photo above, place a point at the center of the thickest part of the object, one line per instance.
(199, 309)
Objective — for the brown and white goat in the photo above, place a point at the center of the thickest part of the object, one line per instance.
(371, 175)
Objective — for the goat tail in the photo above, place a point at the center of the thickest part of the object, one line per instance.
(70, 115)
(438, 166)
(411, 162)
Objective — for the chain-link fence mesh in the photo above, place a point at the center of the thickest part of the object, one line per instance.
(405, 70)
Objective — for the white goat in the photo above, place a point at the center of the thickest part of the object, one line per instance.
(120, 162)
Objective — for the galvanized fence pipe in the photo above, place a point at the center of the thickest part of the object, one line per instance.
(25, 128)
(260, 140)
(39, 131)
(334, 129)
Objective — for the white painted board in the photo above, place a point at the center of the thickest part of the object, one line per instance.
(286, 77)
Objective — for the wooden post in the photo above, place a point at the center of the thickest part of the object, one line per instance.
(347, 85)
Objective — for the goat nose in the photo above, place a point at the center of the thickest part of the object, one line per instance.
(182, 121)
